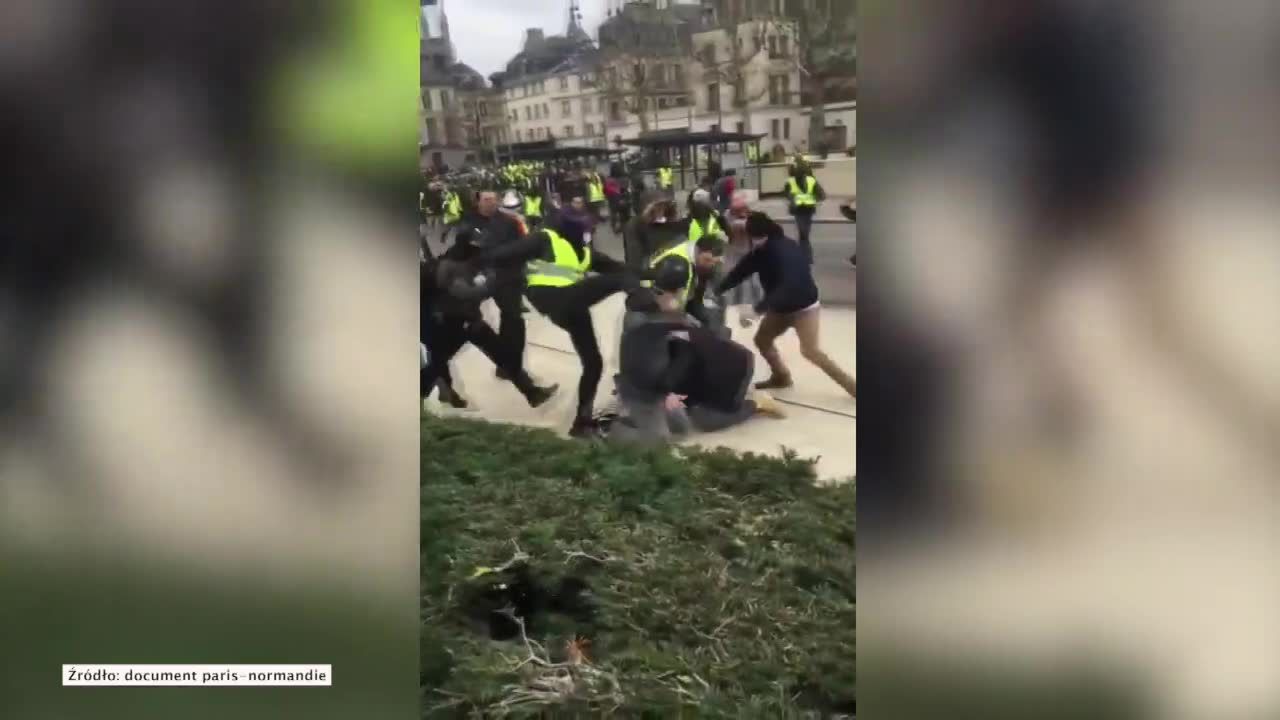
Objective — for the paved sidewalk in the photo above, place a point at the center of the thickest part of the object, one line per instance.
(820, 418)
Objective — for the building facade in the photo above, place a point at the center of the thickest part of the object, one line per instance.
(659, 65)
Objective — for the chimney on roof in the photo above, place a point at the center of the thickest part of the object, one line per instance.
(533, 38)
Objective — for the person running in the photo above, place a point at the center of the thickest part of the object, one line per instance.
(790, 302)
(565, 277)
(451, 318)
(803, 195)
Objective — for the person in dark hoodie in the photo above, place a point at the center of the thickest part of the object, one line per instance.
(791, 301)
(451, 318)
(565, 277)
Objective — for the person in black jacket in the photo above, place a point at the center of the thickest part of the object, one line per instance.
(791, 301)
(488, 227)
(451, 298)
(552, 255)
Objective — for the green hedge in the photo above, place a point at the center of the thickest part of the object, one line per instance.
(699, 583)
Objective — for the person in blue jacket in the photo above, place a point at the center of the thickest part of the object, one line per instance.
(790, 301)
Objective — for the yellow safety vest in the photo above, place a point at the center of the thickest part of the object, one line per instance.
(664, 177)
(533, 206)
(452, 208)
(564, 271)
(683, 250)
(696, 231)
(595, 189)
(806, 198)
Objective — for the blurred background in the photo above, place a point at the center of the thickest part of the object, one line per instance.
(208, 318)
(1069, 289)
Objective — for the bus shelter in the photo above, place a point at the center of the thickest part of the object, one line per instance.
(680, 149)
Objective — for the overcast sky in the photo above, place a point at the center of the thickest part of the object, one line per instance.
(487, 33)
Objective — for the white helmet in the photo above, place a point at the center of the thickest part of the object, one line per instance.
(511, 200)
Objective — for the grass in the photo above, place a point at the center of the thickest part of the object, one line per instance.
(569, 579)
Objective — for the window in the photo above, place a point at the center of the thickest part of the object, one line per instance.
(601, 103)
(713, 97)
(773, 129)
(528, 114)
(568, 131)
(615, 111)
(779, 89)
(433, 131)
(444, 99)
(783, 46)
(564, 109)
(637, 74)
(773, 46)
(586, 106)
(564, 82)
(677, 75)
(484, 109)
(660, 75)
(662, 102)
(587, 130)
(547, 132)
(426, 100)
(587, 80)
(786, 128)
(740, 128)
(546, 110)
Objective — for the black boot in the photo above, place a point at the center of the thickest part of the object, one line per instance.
(585, 428)
(450, 397)
(538, 396)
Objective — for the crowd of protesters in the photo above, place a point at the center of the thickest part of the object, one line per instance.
(522, 236)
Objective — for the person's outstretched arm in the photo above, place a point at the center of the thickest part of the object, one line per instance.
(745, 268)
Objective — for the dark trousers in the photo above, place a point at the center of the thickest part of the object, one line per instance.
(448, 335)
(511, 329)
(804, 224)
(570, 309)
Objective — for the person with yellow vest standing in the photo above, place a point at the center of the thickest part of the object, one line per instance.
(452, 211)
(533, 209)
(664, 178)
(595, 195)
(803, 195)
(565, 276)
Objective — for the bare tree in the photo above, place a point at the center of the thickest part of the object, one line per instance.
(745, 39)
(826, 53)
(627, 84)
